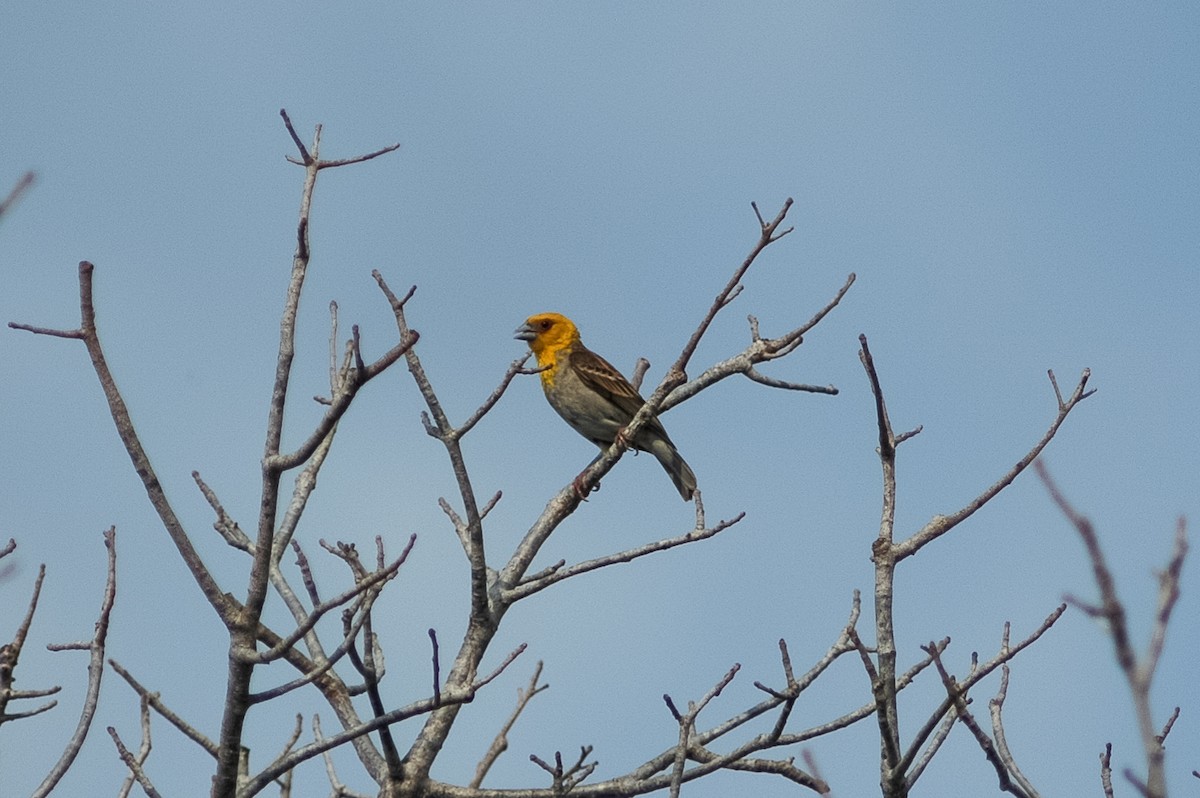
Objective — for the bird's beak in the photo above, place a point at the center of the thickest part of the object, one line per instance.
(525, 333)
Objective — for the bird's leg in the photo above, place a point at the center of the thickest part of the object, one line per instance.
(622, 440)
(577, 483)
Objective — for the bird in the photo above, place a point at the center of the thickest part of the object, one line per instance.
(594, 398)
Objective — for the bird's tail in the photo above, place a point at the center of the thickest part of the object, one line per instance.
(679, 471)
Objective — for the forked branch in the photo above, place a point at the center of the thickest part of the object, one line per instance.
(88, 333)
(1139, 672)
(10, 655)
(942, 524)
(95, 649)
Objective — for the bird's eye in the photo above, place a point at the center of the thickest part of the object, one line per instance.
(545, 325)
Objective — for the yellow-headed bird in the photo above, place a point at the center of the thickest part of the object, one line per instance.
(593, 397)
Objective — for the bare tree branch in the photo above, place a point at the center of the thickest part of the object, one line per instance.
(958, 698)
(977, 674)
(687, 726)
(514, 369)
(564, 779)
(143, 750)
(770, 233)
(883, 680)
(895, 775)
(450, 438)
(541, 581)
(135, 766)
(155, 702)
(226, 527)
(452, 695)
(336, 786)
(307, 159)
(1106, 771)
(500, 742)
(942, 524)
(996, 707)
(367, 601)
(483, 619)
(338, 406)
(362, 586)
(244, 624)
(1139, 675)
(10, 654)
(95, 672)
(760, 350)
(89, 334)
(22, 185)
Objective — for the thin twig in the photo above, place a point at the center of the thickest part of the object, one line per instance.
(154, 700)
(143, 750)
(500, 742)
(226, 527)
(89, 334)
(942, 524)
(687, 726)
(131, 762)
(95, 672)
(1139, 675)
(22, 185)
(1106, 771)
(451, 695)
(539, 582)
(760, 350)
(996, 707)
(437, 667)
(979, 673)
(958, 698)
(10, 654)
(372, 581)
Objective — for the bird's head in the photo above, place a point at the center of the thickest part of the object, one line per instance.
(547, 334)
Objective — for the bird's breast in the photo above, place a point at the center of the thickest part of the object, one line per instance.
(548, 375)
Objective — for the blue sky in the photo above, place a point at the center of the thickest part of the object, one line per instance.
(1015, 186)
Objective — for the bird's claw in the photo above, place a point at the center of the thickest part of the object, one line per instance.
(580, 492)
(621, 439)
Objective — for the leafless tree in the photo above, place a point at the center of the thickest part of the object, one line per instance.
(345, 669)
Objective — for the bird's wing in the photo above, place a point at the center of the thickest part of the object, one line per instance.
(601, 376)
